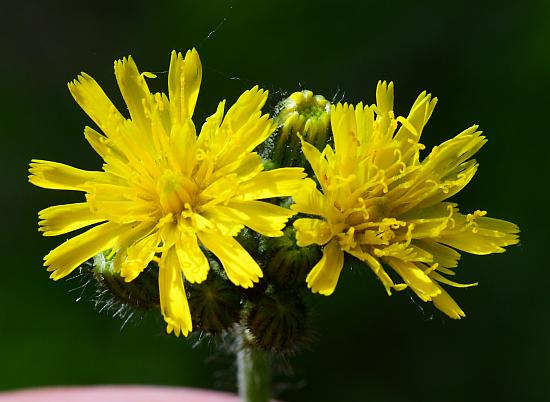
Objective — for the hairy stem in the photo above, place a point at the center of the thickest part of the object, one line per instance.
(254, 372)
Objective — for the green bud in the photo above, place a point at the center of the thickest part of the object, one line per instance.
(287, 265)
(305, 114)
(215, 304)
(115, 293)
(277, 322)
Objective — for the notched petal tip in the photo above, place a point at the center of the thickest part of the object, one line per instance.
(55, 276)
(177, 327)
(324, 292)
(324, 276)
(447, 305)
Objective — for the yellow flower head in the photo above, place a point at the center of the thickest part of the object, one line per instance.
(383, 205)
(165, 192)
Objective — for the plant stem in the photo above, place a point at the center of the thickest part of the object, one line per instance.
(254, 373)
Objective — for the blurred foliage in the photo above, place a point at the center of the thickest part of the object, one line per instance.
(488, 62)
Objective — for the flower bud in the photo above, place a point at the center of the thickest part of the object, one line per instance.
(115, 293)
(287, 265)
(215, 304)
(305, 114)
(277, 322)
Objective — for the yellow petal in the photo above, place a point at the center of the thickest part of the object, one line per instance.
(324, 275)
(411, 131)
(380, 272)
(226, 220)
(129, 237)
(476, 244)
(282, 182)
(445, 303)
(440, 278)
(91, 98)
(104, 146)
(58, 176)
(161, 126)
(413, 276)
(312, 231)
(262, 217)
(120, 203)
(61, 219)
(62, 260)
(184, 80)
(480, 236)
(445, 158)
(384, 97)
(139, 255)
(445, 256)
(316, 160)
(364, 116)
(192, 260)
(117, 164)
(240, 267)
(173, 301)
(244, 167)
(430, 222)
(344, 129)
(384, 110)
(453, 182)
(222, 189)
(246, 138)
(311, 201)
(209, 131)
(135, 92)
(183, 147)
(250, 102)
(242, 129)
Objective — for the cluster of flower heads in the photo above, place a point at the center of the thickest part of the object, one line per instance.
(180, 200)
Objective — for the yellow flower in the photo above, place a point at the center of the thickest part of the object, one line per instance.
(383, 205)
(165, 192)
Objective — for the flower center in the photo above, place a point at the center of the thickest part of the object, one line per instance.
(369, 224)
(175, 191)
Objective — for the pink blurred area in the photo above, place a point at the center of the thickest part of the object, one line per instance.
(121, 393)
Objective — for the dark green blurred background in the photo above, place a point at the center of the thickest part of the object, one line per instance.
(488, 62)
